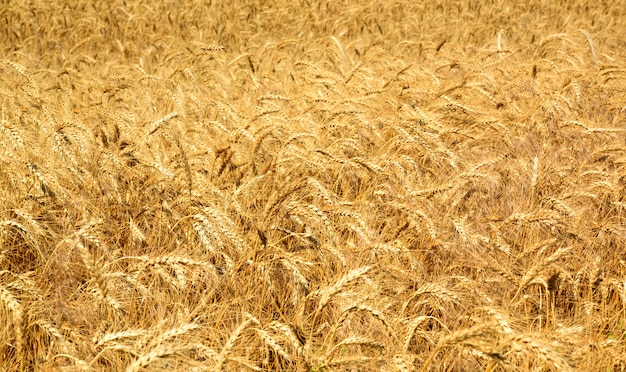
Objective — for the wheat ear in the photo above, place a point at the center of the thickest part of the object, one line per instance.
(223, 355)
(591, 46)
(463, 337)
(15, 314)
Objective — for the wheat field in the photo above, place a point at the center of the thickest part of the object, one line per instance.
(313, 185)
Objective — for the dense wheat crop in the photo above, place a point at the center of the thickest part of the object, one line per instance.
(313, 186)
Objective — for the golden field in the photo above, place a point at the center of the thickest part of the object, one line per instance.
(313, 186)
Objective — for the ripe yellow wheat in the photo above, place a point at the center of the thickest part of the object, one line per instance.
(312, 186)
